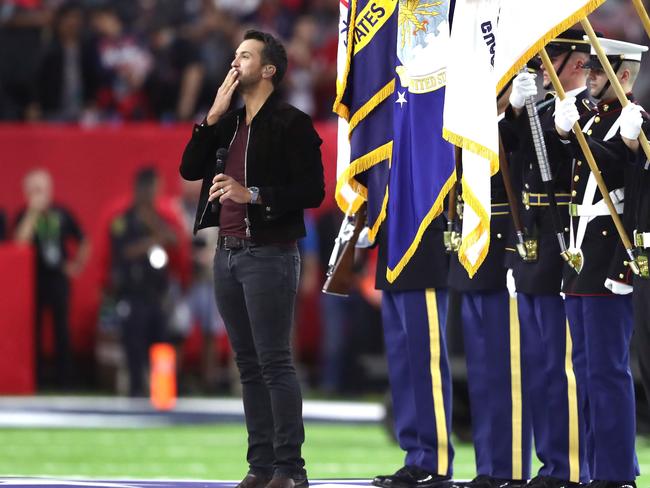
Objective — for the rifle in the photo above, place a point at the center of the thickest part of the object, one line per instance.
(451, 237)
(339, 270)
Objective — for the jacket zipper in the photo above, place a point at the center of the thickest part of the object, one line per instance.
(248, 137)
(207, 204)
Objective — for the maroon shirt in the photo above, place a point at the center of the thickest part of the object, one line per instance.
(232, 215)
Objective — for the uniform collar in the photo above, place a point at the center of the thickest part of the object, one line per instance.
(612, 104)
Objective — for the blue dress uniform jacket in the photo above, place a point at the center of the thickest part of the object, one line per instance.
(414, 315)
(545, 337)
(501, 429)
(543, 276)
(427, 268)
(639, 206)
(599, 319)
(600, 239)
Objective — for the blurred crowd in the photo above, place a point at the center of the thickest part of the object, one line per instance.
(157, 286)
(94, 61)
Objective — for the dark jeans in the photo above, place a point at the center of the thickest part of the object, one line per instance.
(143, 325)
(53, 293)
(255, 288)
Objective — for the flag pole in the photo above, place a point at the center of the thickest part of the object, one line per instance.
(547, 177)
(548, 65)
(643, 15)
(450, 236)
(513, 202)
(616, 84)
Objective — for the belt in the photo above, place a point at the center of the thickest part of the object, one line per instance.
(642, 239)
(541, 199)
(231, 243)
(599, 209)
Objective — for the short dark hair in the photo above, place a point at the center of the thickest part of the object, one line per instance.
(145, 178)
(272, 53)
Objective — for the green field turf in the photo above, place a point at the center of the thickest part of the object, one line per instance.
(210, 452)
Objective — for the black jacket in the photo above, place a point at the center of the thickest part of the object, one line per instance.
(282, 159)
(601, 238)
(543, 276)
(428, 268)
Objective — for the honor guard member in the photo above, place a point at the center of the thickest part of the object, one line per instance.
(500, 426)
(637, 213)
(414, 314)
(549, 382)
(605, 318)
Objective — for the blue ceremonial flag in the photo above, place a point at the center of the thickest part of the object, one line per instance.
(422, 165)
(365, 86)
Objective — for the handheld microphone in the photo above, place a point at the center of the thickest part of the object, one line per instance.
(220, 167)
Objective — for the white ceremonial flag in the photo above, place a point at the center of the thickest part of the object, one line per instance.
(492, 40)
(526, 26)
(470, 119)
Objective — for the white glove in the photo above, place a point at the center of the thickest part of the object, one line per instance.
(566, 114)
(523, 86)
(631, 121)
(364, 241)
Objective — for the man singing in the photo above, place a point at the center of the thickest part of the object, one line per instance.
(273, 172)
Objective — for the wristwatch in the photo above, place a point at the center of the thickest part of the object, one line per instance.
(255, 194)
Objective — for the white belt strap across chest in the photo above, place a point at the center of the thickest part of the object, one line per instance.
(587, 210)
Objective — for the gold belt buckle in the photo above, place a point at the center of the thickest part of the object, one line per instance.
(573, 209)
(525, 198)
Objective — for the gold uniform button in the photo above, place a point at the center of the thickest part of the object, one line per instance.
(576, 178)
(499, 236)
(527, 186)
(579, 163)
(566, 229)
(527, 207)
(589, 132)
(604, 232)
(574, 193)
(621, 276)
(605, 108)
(597, 119)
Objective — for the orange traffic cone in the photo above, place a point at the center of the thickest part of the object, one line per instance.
(163, 376)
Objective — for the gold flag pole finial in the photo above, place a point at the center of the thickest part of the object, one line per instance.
(548, 65)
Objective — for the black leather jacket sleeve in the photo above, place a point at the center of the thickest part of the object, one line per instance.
(305, 187)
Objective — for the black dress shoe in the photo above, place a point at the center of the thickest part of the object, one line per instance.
(484, 481)
(253, 481)
(383, 479)
(281, 482)
(411, 477)
(301, 482)
(611, 484)
(387, 480)
(551, 482)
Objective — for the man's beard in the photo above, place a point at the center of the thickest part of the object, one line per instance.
(247, 85)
